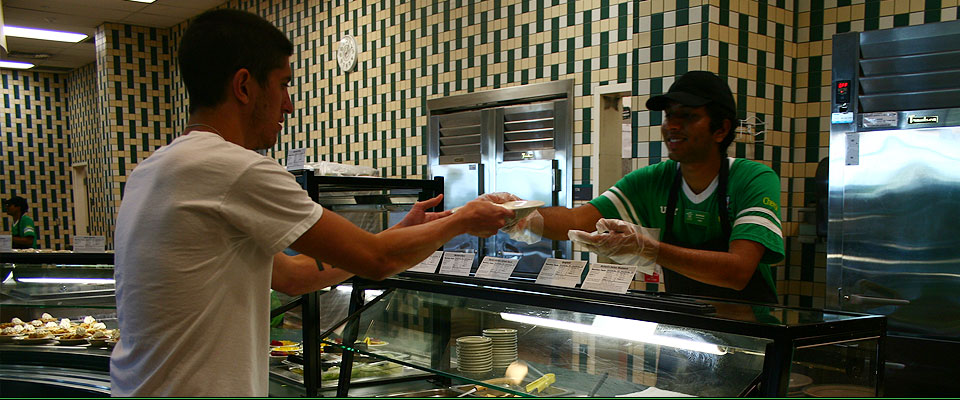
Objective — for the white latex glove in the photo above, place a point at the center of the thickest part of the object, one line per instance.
(528, 229)
(621, 241)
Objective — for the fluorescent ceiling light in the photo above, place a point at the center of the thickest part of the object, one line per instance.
(67, 280)
(143, 1)
(15, 65)
(43, 34)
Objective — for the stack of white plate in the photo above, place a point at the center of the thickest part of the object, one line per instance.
(474, 354)
(504, 346)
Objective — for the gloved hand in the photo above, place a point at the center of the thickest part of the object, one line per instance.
(621, 241)
(527, 229)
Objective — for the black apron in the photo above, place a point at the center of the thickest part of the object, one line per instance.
(757, 290)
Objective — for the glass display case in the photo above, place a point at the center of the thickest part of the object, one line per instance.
(515, 338)
(50, 287)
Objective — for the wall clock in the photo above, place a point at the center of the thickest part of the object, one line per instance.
(347, 53)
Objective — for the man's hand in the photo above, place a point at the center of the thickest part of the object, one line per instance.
(621, 241)
(528, 229)
(418, 214)
(483, 218)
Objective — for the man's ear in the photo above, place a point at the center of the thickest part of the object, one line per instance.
(240, 85)
(721, 133)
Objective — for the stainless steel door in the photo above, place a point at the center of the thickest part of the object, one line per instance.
(461, 183)
(894, 235)
(529, 180)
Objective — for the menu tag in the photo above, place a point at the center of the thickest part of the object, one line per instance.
(89, 244)
(455, 263)
(564, 273)
(296, 158)
(496, 268)
(609, 277)
(6, 243)
(429, 265)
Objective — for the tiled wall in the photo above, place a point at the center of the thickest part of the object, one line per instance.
(133, 92)
(35, 151)
(88, 144)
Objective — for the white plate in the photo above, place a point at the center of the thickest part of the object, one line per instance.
(9, 338)
(97, 342)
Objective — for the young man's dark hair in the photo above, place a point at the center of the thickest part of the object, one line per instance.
(717, 114)
(213, 49)
(17, 201)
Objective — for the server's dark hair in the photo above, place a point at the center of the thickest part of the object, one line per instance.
(17, 201)
(219, 43)
(717, 114)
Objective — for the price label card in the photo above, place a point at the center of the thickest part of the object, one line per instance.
(429, 265)
(6, 243)
(564, 273)
(296, 158)
(456, 263)
(609, 277)
(89, 244)
(496, 268)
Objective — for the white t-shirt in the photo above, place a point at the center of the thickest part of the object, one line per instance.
(199, 223)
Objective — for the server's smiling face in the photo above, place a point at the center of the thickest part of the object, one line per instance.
(686, 133)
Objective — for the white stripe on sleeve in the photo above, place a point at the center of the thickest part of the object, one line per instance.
(758, 220)
(763, 210)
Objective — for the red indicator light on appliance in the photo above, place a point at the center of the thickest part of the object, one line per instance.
(842, 85)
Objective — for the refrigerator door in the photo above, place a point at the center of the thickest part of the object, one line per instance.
(529, 180)
(461, 183)
(897, 240)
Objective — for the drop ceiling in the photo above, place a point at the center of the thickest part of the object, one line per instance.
(84, 16)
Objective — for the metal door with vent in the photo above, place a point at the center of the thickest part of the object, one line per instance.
(893, 246)
(515, 140)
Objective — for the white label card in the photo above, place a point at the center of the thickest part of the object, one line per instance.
(89, 244)
(496, 268)
(456, 263)
(609, 277)
(296, 158)
(564, 273)
(6, 243)
(429, 265)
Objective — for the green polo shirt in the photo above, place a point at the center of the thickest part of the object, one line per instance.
(24, 227)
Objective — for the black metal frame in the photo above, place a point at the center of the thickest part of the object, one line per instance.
(666, 309)
(314, 185)
(57, 258)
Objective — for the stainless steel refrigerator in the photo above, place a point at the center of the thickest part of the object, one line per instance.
(893, 231)
(516, 140)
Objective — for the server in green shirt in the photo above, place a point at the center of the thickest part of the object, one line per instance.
(24, 232)
(711, 244)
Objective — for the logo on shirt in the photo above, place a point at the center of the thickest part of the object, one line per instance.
(771, 204)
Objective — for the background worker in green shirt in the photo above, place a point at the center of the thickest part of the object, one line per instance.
(24, 232)
(717, 246)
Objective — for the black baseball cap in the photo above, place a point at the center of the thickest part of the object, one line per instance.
(17, 201)
(695, 89)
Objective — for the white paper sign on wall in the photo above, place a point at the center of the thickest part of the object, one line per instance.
(89, 244)
(6, 243)
(296, 158)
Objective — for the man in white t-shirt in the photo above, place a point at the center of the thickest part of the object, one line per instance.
(204, 219)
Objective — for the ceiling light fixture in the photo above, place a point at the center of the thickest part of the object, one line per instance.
(143, 1)
(15, 65)
(43, 34)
